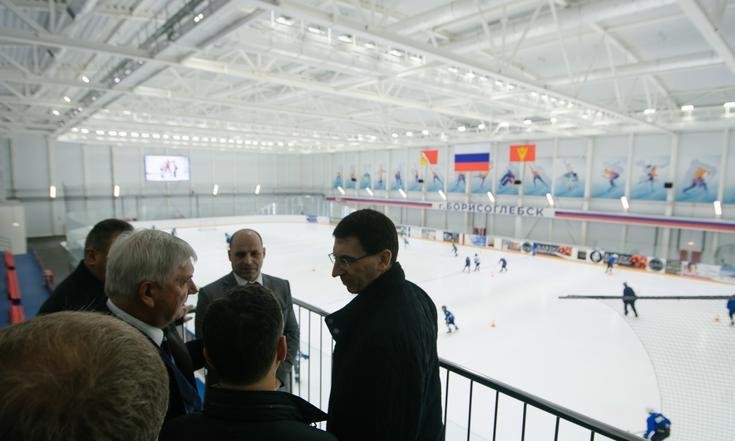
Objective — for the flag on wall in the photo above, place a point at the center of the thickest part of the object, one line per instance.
(523, 153)
(429, 157)
(472, 162)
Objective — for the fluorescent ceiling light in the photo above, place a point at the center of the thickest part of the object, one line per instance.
(52, 191)
(403, 193)
(85, 79)
(527, 122)
(396, 52)
(461, 128)
(729, 105)
(116, 191)
(409, 133)
(453, 69)
(550, 199)
(314, 29)
(369, 191)
(345, 38)
(424, 132)
(687, 108)
(84, 131)
(257, 189)
(215, 189)
(718, 208)
(624, 203)
(443, 196)
(67, 99)
(491, 197)
(284, 20)
(395, 135)
(55, 112)
(649, 111)
(481, 126)
(370, 45)
(341, 190)
(553, 120)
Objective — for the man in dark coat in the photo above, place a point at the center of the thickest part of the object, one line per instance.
(84, 288)
(385, 368)
(149, 278)
(246, 254)
(245, 404)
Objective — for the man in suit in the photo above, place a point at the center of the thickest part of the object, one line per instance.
(84, 289)
(79, 375)
(246, 254)
(149, 278)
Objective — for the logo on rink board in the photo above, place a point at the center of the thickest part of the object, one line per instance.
(510, 210)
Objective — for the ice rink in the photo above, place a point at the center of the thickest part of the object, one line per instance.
(678, 357)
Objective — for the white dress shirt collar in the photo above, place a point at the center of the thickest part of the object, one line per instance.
(241, 282)
(151, 332)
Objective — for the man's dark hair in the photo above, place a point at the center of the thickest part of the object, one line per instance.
(241, 332)
(99, 238)
(374, 230)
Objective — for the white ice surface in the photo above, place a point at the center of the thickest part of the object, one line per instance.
(581, 354)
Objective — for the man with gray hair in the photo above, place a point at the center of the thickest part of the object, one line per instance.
(149, 277)
(79, 375)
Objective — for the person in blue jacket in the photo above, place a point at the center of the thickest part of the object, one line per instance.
(731, 309)
(611, 259)
(449, 320)
(657, 425)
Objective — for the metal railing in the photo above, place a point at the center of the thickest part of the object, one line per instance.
(506, 413)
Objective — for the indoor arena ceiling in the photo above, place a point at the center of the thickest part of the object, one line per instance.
(345, 75)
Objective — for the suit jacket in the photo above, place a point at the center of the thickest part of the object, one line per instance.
(282, 290)
(248, 415)
(187, 358)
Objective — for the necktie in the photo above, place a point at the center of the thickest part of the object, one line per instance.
(187, 391)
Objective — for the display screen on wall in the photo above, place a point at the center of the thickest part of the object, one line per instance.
(166, 168)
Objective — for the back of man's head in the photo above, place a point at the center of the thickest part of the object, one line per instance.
(145, 255)
(241, 333)
(375, 231)
(80, 375)
(101, 235)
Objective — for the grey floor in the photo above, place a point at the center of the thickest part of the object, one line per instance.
(52, 255)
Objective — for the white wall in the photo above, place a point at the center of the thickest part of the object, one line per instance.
(85, 174)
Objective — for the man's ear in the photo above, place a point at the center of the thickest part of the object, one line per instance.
(146, 294)
(263, 252)
(90, 256)
(282, 349)
(385, 259)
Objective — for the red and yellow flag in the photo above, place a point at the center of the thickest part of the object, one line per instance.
(523, 153)
(429, 157)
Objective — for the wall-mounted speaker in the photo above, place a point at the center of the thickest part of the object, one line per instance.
(668, 185)
(517, 182)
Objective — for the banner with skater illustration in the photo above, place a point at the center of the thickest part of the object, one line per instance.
(351, 178)
(649, 175)
(366, 177)
(608, 177)
(338, 178)
(381, 174)
(697, 178)
(397, 172)
(569, 182)
(430, 160)
(537, 176)
(507, 172)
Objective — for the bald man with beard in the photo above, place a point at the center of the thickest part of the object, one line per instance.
(246, 255)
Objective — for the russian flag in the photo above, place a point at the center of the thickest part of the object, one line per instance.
(472, 162)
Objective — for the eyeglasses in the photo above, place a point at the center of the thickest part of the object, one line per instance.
(345, 261)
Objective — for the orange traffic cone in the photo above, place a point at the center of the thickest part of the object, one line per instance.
(492, 325)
